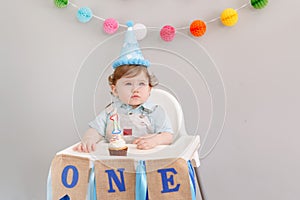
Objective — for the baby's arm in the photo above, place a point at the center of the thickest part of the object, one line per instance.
(152, 140)
(89, 140)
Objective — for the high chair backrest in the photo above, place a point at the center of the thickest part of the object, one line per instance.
(172, 107)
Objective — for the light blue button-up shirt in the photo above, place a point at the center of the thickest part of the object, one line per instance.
(157, 116)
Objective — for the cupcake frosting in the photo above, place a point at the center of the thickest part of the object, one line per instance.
(117, 143)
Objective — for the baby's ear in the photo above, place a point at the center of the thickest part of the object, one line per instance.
(114, 90)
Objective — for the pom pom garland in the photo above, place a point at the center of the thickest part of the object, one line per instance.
(229, 17)
(61, 3)
(259, 4)
(84, 14)
(197, 28)
(110, 26)
(167, 33)
(140, 31)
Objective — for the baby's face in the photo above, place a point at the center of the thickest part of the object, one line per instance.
(133, 91)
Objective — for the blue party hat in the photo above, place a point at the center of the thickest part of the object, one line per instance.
(131, 53)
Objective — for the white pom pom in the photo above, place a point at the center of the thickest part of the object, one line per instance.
(140, 31)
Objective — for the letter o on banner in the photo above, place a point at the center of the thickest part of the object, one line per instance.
(69, 177)
(64, 176)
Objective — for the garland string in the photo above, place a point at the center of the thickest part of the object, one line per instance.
(228, 17)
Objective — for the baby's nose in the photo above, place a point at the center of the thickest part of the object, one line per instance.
(135, 88)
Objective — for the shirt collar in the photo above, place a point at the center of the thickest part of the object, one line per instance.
(147, 105)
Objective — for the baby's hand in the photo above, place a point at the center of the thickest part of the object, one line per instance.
(85, 146)
(145, 143)
(88, 143)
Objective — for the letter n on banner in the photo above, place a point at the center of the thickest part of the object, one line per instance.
(168, 179)
(115, 179)
(70, 175)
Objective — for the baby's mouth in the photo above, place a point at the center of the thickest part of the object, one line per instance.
(135, 96)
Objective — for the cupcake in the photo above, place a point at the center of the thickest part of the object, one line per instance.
(117, 146)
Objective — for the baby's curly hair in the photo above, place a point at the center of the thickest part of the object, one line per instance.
(131, 71)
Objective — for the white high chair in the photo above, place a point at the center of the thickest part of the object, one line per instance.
(172, 107)
(184, 146)
(175, 113)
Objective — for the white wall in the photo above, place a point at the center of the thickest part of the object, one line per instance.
(42, 48)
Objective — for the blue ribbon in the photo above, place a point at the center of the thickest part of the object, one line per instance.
(49, 186)
(92, 185)
(141, 187)
(192, 180)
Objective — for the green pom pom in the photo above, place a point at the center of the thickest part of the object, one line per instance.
(61, 3)
(259, 4)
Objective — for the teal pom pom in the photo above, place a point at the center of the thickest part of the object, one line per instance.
(84, 14)
(129, 23)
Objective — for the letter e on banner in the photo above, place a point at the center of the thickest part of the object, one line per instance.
(168, 179)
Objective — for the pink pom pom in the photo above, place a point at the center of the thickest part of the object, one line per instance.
(110, 26)
(167, 33)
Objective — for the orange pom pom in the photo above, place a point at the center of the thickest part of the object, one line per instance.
(197, 28)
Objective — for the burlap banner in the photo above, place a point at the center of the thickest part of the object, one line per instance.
(115, 179)
(70, 175)
(168, 179)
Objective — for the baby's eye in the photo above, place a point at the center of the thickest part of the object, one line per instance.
(142, 84)
(128, 84)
